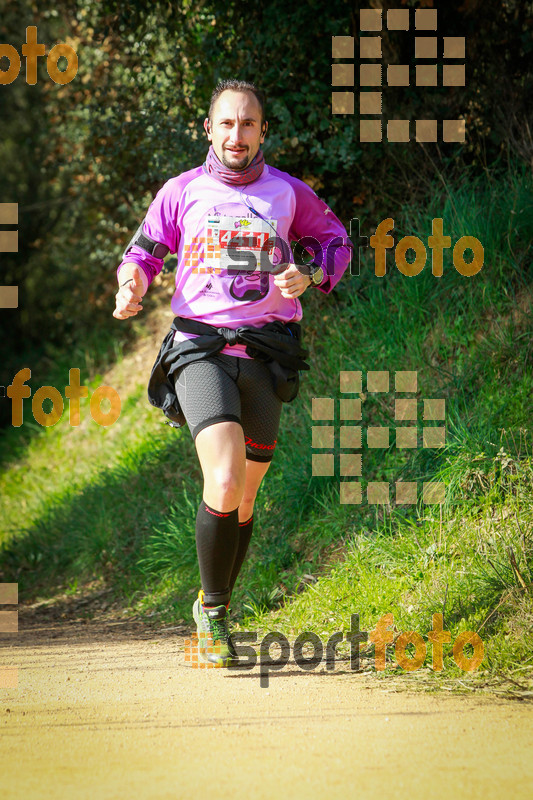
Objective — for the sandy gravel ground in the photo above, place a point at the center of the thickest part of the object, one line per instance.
(113, 710)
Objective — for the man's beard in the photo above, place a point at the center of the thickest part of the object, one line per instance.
(241, 164)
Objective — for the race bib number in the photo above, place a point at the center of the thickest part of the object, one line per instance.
(239, 244)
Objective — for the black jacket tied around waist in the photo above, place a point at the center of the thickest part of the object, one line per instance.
(277, 344)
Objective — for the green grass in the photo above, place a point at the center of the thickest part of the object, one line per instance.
(474, 564)
(117, 505)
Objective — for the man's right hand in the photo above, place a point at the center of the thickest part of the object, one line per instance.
(132, 288)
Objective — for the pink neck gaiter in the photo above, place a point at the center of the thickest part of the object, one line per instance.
(235, 177)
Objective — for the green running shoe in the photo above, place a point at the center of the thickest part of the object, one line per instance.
(214, 641)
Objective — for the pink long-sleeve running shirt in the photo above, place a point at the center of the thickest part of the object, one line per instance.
(197, 216)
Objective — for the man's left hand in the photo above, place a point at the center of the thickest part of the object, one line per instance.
(291, 282)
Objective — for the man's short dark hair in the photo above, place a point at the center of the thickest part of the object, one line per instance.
(236, 86)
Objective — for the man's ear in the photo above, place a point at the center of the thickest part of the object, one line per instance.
(207, 128)
(264, 130)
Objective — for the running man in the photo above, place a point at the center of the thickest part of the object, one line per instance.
(233, 353)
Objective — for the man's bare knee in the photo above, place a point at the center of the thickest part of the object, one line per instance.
(221, 451)
(226, 486)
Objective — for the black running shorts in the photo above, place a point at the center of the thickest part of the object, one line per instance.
(229, 388)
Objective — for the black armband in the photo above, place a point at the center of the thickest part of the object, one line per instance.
(155, 249)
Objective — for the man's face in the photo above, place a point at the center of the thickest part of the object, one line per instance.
(236, 130)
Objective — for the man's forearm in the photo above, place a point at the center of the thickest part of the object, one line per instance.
(126, 272)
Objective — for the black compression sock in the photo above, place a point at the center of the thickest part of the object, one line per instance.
(245, 534)
(217, 540)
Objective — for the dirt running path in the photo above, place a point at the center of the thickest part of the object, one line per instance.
(114, 711)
